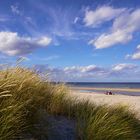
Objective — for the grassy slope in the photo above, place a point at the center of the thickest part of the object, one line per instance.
(23, 93)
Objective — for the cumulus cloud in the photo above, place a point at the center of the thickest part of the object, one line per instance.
(82, 69)
(121, 31)
(13, 44)
(108, 40)
(136, 55)
(43, 41)
(124, 66)
(94, 18)
(73, 73)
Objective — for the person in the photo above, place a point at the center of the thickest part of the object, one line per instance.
(110, 93)
(106, 92)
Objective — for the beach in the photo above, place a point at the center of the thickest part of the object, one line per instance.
(133, 102)
(132, 89)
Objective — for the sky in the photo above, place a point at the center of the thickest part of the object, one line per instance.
(73, 40)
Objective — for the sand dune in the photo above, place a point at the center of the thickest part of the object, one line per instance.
(132, 101)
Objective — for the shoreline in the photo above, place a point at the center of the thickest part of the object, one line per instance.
(106, 89)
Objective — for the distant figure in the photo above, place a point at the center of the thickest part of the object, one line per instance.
(109, 93)
(106, 93)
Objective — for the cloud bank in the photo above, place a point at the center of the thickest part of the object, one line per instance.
(90, 72)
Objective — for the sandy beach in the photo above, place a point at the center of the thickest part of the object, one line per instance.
(132, 101)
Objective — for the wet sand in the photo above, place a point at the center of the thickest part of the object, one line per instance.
(100, 99)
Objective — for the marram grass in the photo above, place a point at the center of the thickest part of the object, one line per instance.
(23, 93)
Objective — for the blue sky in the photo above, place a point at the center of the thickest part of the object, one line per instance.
(73, 40)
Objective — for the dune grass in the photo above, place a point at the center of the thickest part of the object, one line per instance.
(102, 122)
(23, 93)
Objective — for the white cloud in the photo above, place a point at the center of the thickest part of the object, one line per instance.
(123, 66)
(91, 72)
(76, 20)
(43, 41)
(136, 55)
(122, 30)
(138, 47)
(102, 14)
(81, 72)
(128, 20)
(108, 40)
(127, 56)
(13, 44)
(73, 72)
(82, 69)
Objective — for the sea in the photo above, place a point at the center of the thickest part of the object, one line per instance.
(119, 85)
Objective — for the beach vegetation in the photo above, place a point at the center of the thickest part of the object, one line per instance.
(24, 94)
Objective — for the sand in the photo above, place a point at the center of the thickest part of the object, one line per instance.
(132, 101)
